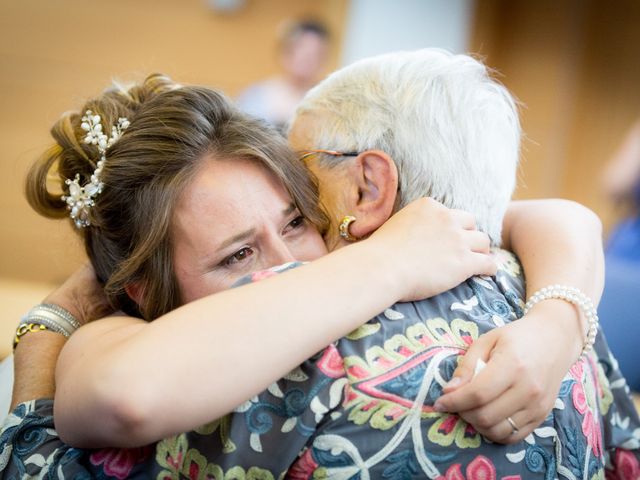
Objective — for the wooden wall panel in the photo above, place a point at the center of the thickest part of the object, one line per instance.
(575, 66)
(53, 54)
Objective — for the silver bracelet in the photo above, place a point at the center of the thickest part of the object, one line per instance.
(54, 317)
(576, 297)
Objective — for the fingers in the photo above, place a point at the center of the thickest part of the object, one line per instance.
(477, 257)
(481, 264)
(465, 219)
(504, 431)
(508, 429)
(479, 351)
(479, 241)
(491, 419)
(489, 384)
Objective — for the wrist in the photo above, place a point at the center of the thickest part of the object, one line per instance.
(46, 317)
(376, 261)
(565, 321)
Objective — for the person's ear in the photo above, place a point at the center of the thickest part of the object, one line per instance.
(135, 292)
(376, 187)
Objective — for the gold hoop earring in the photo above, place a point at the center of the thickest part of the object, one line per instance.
(343, 228)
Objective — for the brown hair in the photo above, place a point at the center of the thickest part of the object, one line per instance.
(172, 129)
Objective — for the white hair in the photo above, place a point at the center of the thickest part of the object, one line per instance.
(452, 131)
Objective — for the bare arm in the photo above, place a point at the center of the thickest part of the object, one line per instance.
(34, 361)
(123, 382)
(558, 242)
(36, 354)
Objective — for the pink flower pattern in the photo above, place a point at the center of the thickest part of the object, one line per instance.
(303, 468)
(586, 404)
(626, 466)
(118, 462)
(331, 363)
(480, 468)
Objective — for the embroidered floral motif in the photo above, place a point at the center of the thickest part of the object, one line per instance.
(585, 400)
(626, 465)
(222, 425)
(170, 454)
(605, 395)
(383, 384)
(480, 468)
(331, 363)
(303, 468)
(449, 429)
(179, 461)
(118, 462)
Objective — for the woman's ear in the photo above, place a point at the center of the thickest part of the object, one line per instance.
(376, 178)
(135, 292)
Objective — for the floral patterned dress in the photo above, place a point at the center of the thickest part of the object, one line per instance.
(363, 409)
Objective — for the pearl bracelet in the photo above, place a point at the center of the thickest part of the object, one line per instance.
(47, 316)
(576, 297)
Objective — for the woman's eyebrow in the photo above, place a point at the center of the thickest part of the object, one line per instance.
(290, 209)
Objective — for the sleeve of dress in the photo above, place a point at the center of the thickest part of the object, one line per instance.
(31, 448)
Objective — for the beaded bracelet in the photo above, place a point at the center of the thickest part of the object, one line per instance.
(46, 316)
(576, 297)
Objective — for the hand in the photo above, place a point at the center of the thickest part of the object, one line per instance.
(82, 296)
(433, 248)
(526, 362)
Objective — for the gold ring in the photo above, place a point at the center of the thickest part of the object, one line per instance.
(514, 427)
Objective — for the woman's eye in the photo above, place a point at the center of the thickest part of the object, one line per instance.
(297, 222)
(240, 256)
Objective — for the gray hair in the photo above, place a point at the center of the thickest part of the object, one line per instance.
(452, 131)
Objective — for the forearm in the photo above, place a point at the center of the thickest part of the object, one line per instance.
(558, 242)
(36, 353)
(130, 382)
(34, 362)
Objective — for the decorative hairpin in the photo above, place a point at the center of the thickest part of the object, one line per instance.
(81, 198)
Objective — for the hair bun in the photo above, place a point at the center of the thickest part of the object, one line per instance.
(71, 156)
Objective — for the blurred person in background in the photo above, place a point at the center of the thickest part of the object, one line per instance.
(302, 56)
(622, 184)
(620, 307)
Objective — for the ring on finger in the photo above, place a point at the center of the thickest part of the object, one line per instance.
(514, 427)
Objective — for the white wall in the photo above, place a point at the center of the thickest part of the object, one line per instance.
(380, 26)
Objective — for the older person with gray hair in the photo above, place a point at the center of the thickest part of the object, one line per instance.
(428, 123)
(379, 134)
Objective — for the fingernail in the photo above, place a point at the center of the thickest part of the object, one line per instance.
(438, 407)
(454, 382)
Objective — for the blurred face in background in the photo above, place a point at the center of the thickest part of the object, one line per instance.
(304, 57)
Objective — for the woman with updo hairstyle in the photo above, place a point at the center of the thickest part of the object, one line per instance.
(127, 239)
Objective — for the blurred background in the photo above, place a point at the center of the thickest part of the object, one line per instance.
(573, 64)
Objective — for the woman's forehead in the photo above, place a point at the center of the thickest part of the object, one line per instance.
(228, 194)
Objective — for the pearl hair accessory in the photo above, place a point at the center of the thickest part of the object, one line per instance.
(576, 297)
(81, 198)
